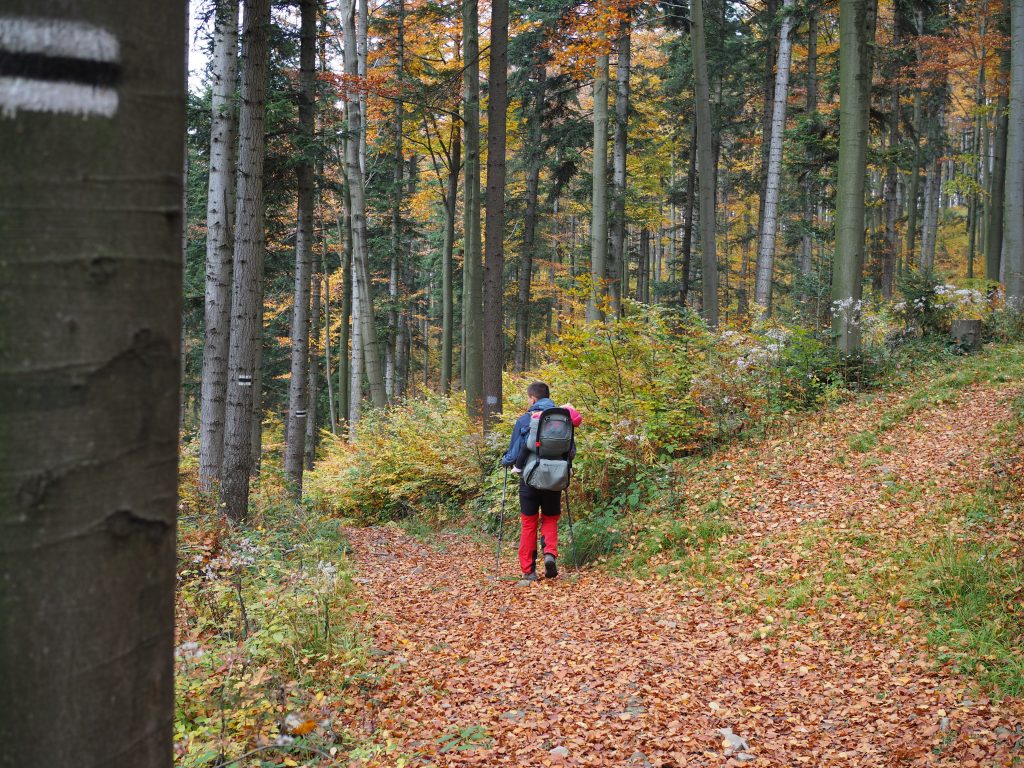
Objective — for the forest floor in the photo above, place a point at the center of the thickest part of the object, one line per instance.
(830, 623)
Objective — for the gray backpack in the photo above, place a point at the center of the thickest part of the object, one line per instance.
(550, 445)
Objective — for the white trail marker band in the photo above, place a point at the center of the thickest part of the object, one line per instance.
(58, 66)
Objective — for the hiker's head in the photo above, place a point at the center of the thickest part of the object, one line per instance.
(537, 391)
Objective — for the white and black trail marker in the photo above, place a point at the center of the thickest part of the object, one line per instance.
(58, 66)
(244, 380)
(300, 414)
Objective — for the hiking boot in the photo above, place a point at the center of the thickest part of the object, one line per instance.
(550, 566)
(527, 580)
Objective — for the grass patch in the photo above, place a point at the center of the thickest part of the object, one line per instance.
(862, 442)
(972, 598)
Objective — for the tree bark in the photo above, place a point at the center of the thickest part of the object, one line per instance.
(472, 275)
(811, 111)
(391, 349)
(535, 157)
(90, 307)
(447, 270)
(298, 384)
(691, 188)
(994, 241)
(360, 264)
(706, 163)
(1014, 214)
(773, 180)
(309, 444)
(494, 267)
(220, 211)
(599, 197)
(247, 279)
(854, 100)
(617, 261)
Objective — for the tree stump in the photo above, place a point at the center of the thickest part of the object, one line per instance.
(966, 335)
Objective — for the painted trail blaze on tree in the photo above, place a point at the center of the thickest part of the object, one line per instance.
(90, 310)
(57, 66)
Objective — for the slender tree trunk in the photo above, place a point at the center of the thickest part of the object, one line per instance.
(247, 282)
(494, 267)
(706, 163)
(599, 207)
(855, 35)
(811, 110)
(616, 262)
(472, 276)
(773, 183)
(915, 179)
(1014, 214)
(314, 334)
(309, 444)
(391, 348)
(298, 384)
(347, 321)
(691, 188)
(220, 211)
(771, 9)
(447, 270)
(930, 215)
(994, 242)
(534, 153)
(360, 264)
(90, 307)
(891, 200)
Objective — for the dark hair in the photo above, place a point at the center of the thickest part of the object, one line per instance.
(539, 390)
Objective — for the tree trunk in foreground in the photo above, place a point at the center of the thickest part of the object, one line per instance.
(220, 242)
(706, 166)
(472, 274)
(90, 306)
(617, 271)
(1014, 214)
(599, 205)
(854, 93)
(247, 281)
(494, 262)
(298, 384)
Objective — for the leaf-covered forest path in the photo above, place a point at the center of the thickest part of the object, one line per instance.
(793, 633)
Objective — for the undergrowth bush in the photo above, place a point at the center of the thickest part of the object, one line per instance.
(269, 650)
(418, 458)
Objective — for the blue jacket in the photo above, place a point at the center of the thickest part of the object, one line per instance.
(516, 453)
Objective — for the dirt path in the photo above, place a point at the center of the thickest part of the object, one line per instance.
(605, 671)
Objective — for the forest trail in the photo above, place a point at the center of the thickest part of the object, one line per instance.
(797, 641)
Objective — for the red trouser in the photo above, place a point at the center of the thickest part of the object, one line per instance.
(549, 504)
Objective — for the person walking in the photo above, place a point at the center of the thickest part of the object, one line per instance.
(536, 505)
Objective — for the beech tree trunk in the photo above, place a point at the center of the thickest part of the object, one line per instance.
(298, 384)
(368, 346)
(773, 180)
(706, 163)
(599, 206)
(494, 267)
(220, 211)
(247, 279)
(617, 259)
(994, 241)
(855, 35)
(391, 349)
(1014, 214)
(472, 274)
(90, 307)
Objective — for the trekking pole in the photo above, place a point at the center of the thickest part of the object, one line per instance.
(572, 535)
(501, 527)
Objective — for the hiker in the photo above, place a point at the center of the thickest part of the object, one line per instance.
(531, 500)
